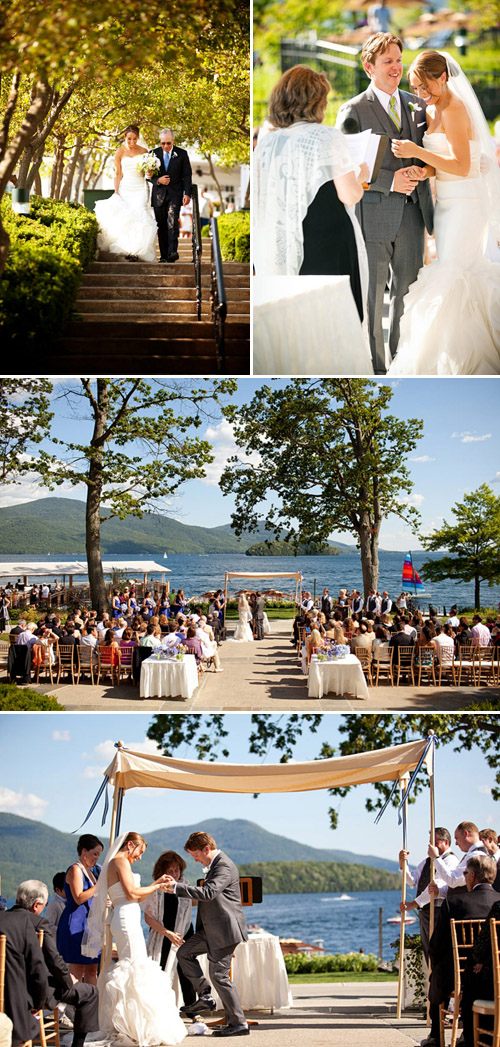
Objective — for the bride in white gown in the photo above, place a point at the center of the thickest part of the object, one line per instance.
(451, 321)
(136, 1001)
(243, 632)
(126, 222)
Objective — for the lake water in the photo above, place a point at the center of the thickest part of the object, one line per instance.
(198, 573)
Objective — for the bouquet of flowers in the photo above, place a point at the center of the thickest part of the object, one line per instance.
(338, 651)
(148, 162)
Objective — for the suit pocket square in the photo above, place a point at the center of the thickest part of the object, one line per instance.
(423, 124)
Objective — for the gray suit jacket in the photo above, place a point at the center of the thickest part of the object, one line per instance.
(258, 610)
(220, 919)
(380, 212)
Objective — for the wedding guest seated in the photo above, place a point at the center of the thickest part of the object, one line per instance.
(119, 626)
(445, 643)
(27, 637)
(477, 979)
(313, 642)
(19, 628)
(104, 624)
(480, 633)
(381, 644)
(109, 649)
(208, 646)
(128, 639)
(171, 639)
(152, 637)
(464, 633)
(71, 636)
(216, 625)
(163, 623)
(193, 645)
(363, 638)
(398, 639)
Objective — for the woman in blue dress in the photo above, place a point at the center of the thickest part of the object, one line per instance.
(79, 887)
(116, 604)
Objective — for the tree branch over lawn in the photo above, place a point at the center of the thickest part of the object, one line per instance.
(330, 456)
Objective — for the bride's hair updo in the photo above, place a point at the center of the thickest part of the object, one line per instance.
(430, 65)
(134, 838)
(300, 94)
(132, 127)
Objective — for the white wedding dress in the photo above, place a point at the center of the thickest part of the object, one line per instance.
(243, 632)
(126, 221)
(136, 1001)
(451, 320)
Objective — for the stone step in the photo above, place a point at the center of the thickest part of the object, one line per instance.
(157, 280)
(159, 294)
(165, 316)
(99, 328)
(184, 268)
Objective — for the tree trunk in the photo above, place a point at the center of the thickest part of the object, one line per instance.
(214, 176)
(37, 184)
(57, 170)
(98, 594)
(70, 171)
(477, 584)
(368, 546)
(82, 163)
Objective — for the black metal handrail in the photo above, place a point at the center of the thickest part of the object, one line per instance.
(197, 248)
(218, 297)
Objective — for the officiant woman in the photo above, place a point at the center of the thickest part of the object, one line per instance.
(305, 180)
(169, 919)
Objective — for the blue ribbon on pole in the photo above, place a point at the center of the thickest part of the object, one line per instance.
(103, 789)
(119, 812)
(387, 802)
(430, 742)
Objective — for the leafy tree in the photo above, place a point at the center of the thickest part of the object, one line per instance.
(24, 421)
(473, 543)
(361, 733)
(333, 456)
(140, 450)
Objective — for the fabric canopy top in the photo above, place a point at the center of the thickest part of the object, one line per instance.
(47, 569)
(131, 770)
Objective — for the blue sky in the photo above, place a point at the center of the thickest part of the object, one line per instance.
(458, 452)
(51, 767)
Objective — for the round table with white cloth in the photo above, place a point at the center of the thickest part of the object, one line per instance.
(307, 325)
(162, 679)
(258, 971)
(339, 676)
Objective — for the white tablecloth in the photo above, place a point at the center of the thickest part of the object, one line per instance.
(307, 325)
(259, 974)
(344, 676)
(162, 679)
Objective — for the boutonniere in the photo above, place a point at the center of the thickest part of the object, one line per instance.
(174, 153)
(414, 109)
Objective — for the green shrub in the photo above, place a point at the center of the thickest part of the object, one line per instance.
(301, 963)
(232, 228)
(49, 250)
(22, 699)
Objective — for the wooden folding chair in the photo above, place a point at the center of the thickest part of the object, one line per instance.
(446, 664)
(364, 655)
(125, 666)
(403, 665)
(484, 669)
(43, 661)
(4, 655)
(488, 1037)
(109, 663)
(425, 659)
(66, 661)
(463, 939)
(465, 663)
(88, 662)
(382, 666)
(49, 1020)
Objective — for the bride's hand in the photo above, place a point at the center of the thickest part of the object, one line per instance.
(402, 147)
(176, 939)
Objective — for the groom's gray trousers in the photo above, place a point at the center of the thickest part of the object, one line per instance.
(219, 971)
(396, 262)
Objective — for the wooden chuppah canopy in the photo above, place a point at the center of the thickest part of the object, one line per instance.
(265, 574)
(398, 764)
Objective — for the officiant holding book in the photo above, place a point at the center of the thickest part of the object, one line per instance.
(397, 207)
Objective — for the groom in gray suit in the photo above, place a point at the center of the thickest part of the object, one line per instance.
(220, 926)
(397, 207)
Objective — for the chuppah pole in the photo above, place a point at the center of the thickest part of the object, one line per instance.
(432, 840)
(225, 603)
(403, 784)
(117, 798)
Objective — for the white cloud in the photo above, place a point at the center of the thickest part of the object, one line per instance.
(413, 499)
(224, 446)
(496, 479)
(61, 736)
(25, 804)
(423, 458)
(484, 789)
(105, 752)
(29, 489)
(470, 438)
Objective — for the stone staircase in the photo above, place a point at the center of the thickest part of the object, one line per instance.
(142, 317)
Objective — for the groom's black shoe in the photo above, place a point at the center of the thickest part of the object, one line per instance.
(172, 257)
(232, 1030)
(163, 259)
(205, 1003)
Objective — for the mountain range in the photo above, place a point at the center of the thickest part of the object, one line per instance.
(31, 849)
(57, 526)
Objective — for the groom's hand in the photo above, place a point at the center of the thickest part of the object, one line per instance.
(404, 181)
(164, 180)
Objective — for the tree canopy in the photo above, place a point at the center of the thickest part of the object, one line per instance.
(361, 732)
(332, 458)
(24, 421)
(473, 543)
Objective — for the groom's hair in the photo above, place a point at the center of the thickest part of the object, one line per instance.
(377, 45)
(197, 841)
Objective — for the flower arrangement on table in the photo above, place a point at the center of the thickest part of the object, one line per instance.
(167, 654)
(338, 651)
(147, 162)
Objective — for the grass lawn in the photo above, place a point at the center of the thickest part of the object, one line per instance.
(342, 976)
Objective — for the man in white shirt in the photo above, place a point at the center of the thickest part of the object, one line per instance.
(467, 839)
(307, 602)
(453, 620)
(444, 643)
(421, 878)
(490, 840)
(386, 603)
(27, 638)
(481, 636)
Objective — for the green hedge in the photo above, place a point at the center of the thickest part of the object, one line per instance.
(49, 250)
(234, 236)
(301, 963)
(22, 699)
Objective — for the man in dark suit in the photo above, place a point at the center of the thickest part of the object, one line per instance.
(172, 186)
(326, 604)
(220, 926)
(32, 897)
(26, 976)
(474, 904)
(398, 206)
(258, 616)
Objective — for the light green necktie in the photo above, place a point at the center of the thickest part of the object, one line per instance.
(393, 112)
